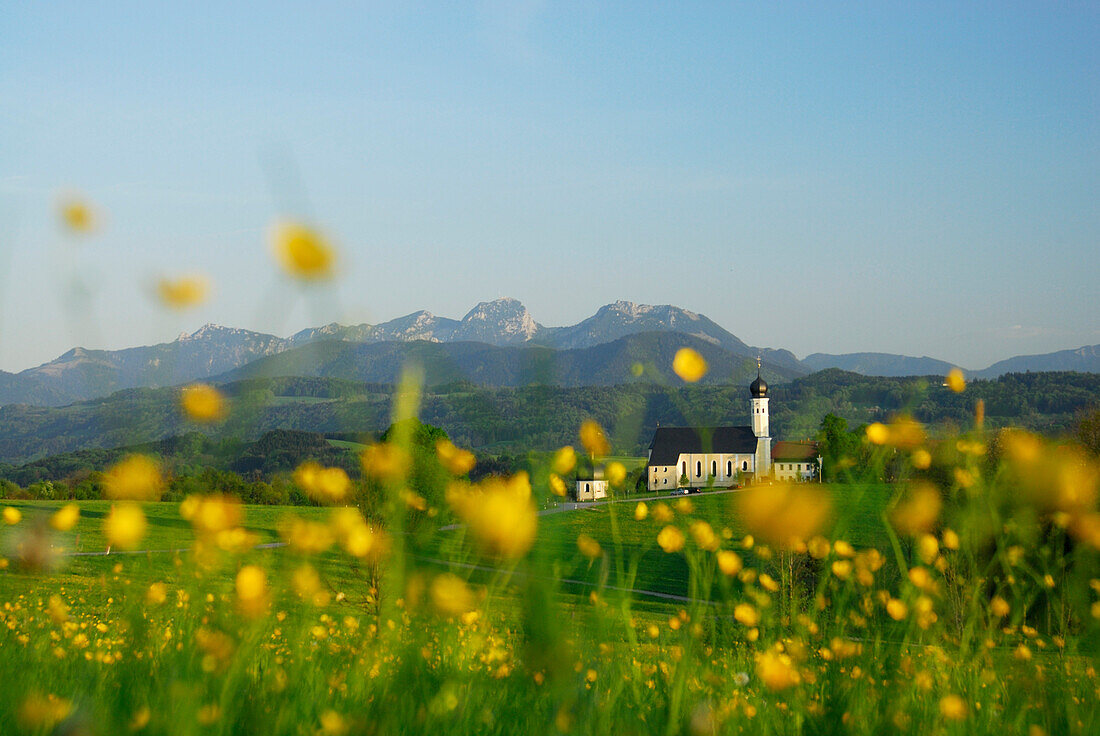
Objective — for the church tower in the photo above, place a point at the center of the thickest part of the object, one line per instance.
(759, 391)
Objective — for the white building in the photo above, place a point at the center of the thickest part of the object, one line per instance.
(697, 457)
(797, 461)
(591, 485)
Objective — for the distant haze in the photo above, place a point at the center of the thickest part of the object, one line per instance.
(916, 179)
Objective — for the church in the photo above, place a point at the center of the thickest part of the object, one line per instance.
(723, 456)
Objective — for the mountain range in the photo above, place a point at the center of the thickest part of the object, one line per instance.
(497, 343)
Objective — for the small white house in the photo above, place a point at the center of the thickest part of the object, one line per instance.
(591, 485)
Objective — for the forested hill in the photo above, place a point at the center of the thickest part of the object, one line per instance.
(545, 417)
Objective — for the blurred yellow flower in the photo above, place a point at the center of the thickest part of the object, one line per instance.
(329, 485)
(385, 461)
(12, 515)
(333, 724)
(999, 607)
(125, 526)
(784, 514)
(921, 459)
(928, 548)
(594, 440)
(306, 537)
(955, 380)
(456, 460)
(877, 433)
(57, 610)
(134, 478)
(615, 473)
(65, 518)
(641, 511)
(662, 512)
(670, 539)
(897, 609)
(451, 596)
(953, 708)
(302, 251)
(689, 365)
(77, 215)
(704, 535)
(557, 485)
(251, 586)
(39, 712)
(745, 614)
(156, 594)
(918, 510)
(729, 562)
(183, 292)
(776, 671)
(565, 459)
(499, 512)
(588, 546)
(203, 404)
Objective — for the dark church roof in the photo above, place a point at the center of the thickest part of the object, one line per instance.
(669, 442)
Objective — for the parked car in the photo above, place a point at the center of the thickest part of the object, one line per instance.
(680, 492)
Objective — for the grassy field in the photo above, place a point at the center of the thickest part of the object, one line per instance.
(458, 610)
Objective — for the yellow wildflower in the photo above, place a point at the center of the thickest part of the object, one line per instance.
(203, 404)
(777, 671)
(564, 460)
(729, 562)
(557, 485)
(704, 535)
(999, 607)
(456, 460)
(77, 215)
(928, 548)
(251, 586)
(184, 292)
(641, 511)
(588, 546)
(615, 473)
(499, 512)
(783, 514)
(125, 526)
(918, 510)
(322, 484)
(689, 365)
(594, 440)
(662, 512)
(955, 380)
(746, 614)
(302, 251)
(921, 459)
(333, 724)
(953, 708)
(135, 478)
(65, 518)
(12, 515)
(385, 462)
(670, 539)
(877, 433)
(38, 712)
(451, 596)
(897, 609)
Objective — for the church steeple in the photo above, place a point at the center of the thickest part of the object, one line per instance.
(759, 391)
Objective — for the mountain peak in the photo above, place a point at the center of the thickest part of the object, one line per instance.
(506, 317)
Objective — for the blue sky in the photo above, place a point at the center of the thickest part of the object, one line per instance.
(911, 178)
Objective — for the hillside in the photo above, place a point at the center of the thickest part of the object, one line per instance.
(519, 419)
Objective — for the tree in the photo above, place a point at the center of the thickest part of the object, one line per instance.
(839, 448)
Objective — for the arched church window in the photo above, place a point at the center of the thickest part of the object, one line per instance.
(685, 468)
(698, 468)
(745, 465)
(714, 467)
(729, 467)
(586, 486)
